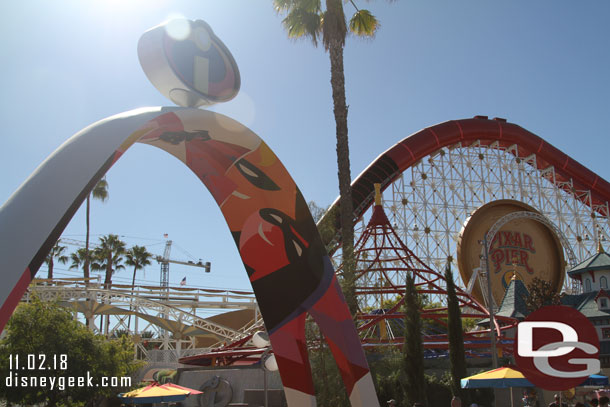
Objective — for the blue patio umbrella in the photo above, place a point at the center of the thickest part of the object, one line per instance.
(595, 380)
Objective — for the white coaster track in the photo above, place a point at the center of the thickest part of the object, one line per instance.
(167, 319)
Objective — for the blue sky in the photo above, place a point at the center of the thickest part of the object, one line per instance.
(544, 65)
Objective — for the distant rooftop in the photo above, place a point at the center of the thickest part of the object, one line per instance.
(600, 261)
(513, 304)
(586, 303)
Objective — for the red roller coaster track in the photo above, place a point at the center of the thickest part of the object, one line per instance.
(493, 133)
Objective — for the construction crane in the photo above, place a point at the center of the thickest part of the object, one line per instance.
(77, 243)
(165, 260)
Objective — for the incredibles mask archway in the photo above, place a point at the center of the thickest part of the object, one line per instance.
(277, 238)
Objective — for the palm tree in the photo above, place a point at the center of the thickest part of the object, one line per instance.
(307, 19)
(100, 192)
(138, 257)
(78, 260)
(57, 252)
(108, 256)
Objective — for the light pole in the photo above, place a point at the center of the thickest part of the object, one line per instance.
(490, 306)
(488, 239)
(268, 363)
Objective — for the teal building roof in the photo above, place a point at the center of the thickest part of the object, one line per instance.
(600, 261)
(587, 303)
(513, 303)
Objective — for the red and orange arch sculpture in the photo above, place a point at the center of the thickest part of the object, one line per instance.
(278, 241)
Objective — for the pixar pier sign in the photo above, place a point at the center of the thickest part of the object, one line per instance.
(557, 348)
(511, 248)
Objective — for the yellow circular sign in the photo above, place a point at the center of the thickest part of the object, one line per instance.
(524, 248)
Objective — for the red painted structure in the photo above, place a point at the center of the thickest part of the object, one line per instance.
(377, 240)
(494, 133)
(390, 164)
(380, 250)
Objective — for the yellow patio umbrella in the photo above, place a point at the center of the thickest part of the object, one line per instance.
(157, 393)
(503, 377)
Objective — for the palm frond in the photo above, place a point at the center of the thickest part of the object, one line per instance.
(368, 1)
(138, 257)
(312, 6)
(57, 252)
(284, 6)
(302, 23)
(100, 191)
(97, 264)
(363, 23)
(116, 265)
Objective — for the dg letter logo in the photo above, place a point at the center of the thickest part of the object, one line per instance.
(557, 348)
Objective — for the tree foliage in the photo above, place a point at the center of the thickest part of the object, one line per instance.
(317, 212)
(108, 257)
(138, 258)
(46, 330)
(328, 385)
(78, 258)
(541, 293)
(457, 357)
(413, 349)
(56, 253)
(100, 192)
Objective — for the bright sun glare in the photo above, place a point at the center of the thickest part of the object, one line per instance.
(129, 6)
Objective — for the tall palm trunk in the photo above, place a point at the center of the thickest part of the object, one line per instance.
(86, 265)
(107, 285)
(337, 81)
(133, 286)
(108, 278)
(50, 266)
(133, 279)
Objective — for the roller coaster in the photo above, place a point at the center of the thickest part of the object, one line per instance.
(164, 318)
